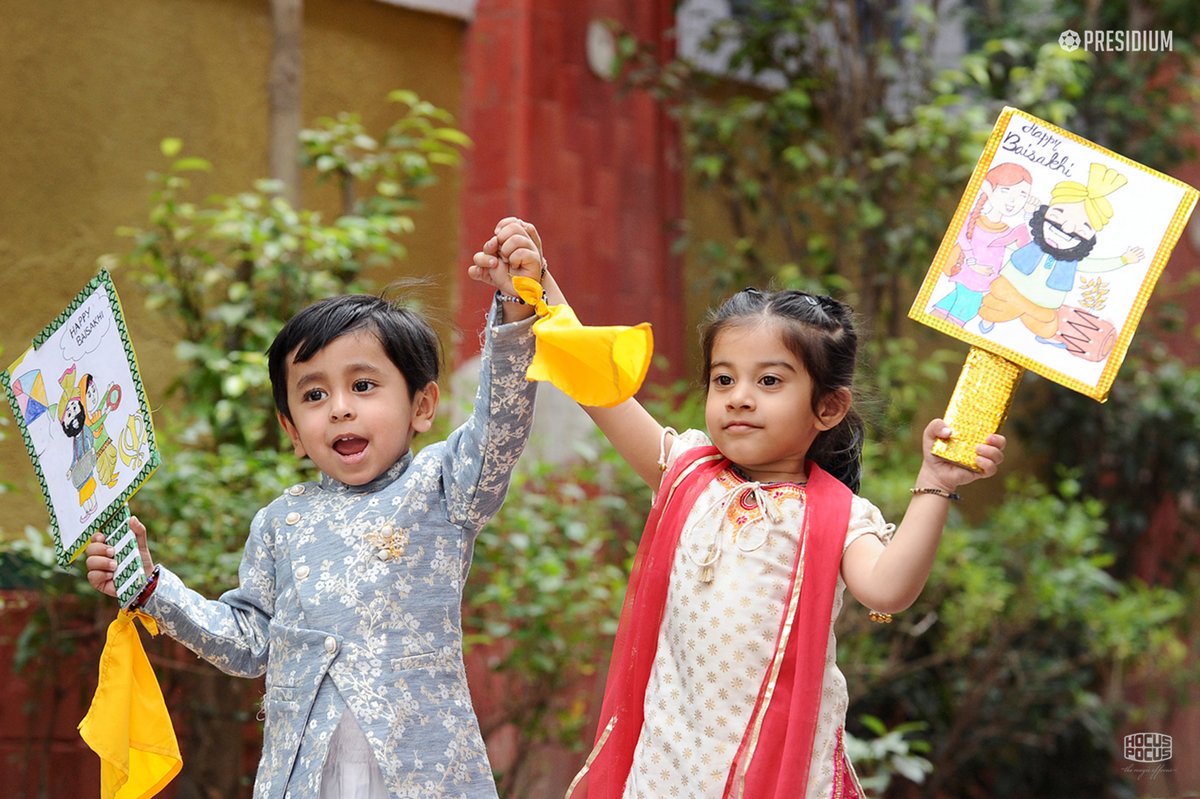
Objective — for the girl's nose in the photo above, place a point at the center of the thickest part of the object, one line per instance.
(740, 398)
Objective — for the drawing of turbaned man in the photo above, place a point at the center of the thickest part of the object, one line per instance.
(1035, 280)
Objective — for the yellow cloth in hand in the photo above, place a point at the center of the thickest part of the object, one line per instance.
(128, 725)
(598, 366)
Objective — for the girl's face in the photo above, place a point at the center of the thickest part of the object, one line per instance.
(91, 396)
(1010, 200)
(759, 408)
(351, 412)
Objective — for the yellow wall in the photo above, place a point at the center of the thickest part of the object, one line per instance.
(89, 89)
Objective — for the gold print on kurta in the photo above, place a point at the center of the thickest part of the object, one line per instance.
(388, 540)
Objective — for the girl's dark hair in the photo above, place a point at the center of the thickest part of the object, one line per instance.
(407, 338)
(820, 332)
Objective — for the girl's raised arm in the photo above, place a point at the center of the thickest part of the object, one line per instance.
(634, 434)
(889, 579)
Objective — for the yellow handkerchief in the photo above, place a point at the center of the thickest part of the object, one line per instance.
(128, 725)
(598, 366)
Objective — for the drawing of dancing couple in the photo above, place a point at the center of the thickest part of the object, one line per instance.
(1017, 258)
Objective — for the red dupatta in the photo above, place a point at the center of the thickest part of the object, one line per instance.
(774, 756)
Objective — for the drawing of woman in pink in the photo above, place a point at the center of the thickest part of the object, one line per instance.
(999, 219)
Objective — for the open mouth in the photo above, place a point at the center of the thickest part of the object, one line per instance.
(349, 447)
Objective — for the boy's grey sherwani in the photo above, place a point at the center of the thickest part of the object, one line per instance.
(349, 598)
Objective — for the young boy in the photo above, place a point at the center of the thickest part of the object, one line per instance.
(350, 586)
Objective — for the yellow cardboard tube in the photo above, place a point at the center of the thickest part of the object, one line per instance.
(978, 406)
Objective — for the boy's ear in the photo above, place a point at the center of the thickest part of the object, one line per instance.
(832, 409)
(292, 432)
(424, 407)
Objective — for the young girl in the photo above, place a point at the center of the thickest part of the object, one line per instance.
(350, 586)
(723, 681)
(982, 244)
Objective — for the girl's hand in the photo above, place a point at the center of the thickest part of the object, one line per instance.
(102, 568)
(515, 249)
(940, 473)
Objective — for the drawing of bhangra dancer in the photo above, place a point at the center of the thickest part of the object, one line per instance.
(73, 420)
(96, 409)
(1036, 278)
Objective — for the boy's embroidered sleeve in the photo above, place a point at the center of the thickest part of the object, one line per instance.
(230, 632)
(480, 455)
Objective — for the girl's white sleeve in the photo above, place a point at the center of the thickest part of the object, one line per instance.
(866, 519)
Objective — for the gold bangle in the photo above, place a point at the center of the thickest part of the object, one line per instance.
(880, 618)
(941, 492)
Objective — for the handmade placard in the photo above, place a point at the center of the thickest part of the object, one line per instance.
(1047, 265)
(81, 408)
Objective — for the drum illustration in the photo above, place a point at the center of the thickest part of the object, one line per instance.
(1085, 334)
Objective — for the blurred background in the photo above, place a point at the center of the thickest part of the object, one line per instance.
(231, 161)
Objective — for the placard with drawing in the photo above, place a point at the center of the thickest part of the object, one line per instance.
(1053, 252)
(81, 408)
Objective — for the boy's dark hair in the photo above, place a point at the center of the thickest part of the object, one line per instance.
(820, 332)
(407, 338)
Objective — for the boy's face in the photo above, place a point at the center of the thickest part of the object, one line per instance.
(351, 413)
(72, 423)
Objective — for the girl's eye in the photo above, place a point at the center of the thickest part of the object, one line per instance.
(363, 385)
(723, 380)
(314, 395)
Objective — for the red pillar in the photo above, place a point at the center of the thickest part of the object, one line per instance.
(596, 169)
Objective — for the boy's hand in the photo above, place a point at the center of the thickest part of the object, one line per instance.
(515, 249)
(102, 568)
(940, 473)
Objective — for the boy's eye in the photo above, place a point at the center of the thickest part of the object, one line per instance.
(363, 385)
(314, 395)
(770, 380)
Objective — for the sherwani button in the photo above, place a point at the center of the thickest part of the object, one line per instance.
(292, 517)
(331, 645)
(301, 572)
(296, 490)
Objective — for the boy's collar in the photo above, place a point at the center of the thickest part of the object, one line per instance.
(385, 479)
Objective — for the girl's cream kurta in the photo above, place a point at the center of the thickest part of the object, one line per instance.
(717, 638)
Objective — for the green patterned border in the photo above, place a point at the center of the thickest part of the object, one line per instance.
(104, 520)
(130, 581)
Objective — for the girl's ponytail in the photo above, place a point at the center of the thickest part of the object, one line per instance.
(839, 450)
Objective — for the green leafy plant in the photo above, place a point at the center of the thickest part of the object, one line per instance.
(1014, 654)
(545, 595)
(226, 272)
(894, 751)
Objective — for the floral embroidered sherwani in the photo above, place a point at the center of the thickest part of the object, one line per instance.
(349, 599)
